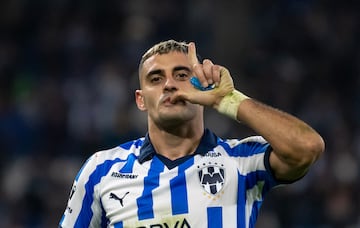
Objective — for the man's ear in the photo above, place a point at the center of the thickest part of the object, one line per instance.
(140, 100)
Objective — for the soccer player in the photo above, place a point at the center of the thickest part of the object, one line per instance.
(181, 174)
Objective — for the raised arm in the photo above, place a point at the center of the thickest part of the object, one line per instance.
(296, 146)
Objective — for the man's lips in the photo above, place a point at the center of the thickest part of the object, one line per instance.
(170, 100)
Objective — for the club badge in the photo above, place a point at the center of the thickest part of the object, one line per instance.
(212, 177)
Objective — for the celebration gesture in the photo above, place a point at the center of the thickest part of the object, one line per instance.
(212, 85)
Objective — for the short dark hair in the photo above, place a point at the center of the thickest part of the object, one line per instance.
(164, 47)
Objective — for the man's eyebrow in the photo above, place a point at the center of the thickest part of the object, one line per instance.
(178, 68)
(157, 71)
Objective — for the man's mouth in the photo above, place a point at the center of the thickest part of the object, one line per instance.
(173, 101)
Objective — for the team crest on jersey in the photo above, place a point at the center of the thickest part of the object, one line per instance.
(212, 177)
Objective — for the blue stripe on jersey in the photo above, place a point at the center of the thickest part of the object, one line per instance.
(128, 167)
(86, 213)
(145, 201)
(61, 220)
(241, 202)
(139, 142)
(254, 213)
(250, 180)
(253, 177)
(246, 149)
(179, 199)
(214, 217)
(104, 219)
(128, 145)
(119, 225)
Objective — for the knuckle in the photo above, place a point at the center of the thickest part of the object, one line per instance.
(196, 65)
(207, 62)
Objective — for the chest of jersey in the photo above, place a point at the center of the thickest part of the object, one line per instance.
(150, 195)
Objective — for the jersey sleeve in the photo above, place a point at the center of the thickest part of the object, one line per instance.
(83, 208)
(253, 155)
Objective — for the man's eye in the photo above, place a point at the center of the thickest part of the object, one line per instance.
(182, 76)
(155, 79)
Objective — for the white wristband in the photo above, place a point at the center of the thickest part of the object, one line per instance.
(230, 103)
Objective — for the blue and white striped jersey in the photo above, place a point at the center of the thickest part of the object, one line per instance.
(222, 185)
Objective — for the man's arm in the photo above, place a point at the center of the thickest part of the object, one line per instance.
(83, 209)
(295, 144)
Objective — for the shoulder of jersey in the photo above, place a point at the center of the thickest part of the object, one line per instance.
(122, 151)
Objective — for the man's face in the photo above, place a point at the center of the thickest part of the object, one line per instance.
(161, 77)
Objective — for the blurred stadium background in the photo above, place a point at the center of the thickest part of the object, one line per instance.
(68, 71)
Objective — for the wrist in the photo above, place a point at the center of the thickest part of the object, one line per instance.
(229, 104)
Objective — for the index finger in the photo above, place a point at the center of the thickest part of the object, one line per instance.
(192, 54)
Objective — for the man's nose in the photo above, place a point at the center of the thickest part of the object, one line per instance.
(170, 84)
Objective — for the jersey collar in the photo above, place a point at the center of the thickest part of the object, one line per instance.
(207, 143)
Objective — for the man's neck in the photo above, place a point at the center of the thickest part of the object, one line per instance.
(176, 143)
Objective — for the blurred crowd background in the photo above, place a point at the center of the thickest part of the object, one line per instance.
(68, 71)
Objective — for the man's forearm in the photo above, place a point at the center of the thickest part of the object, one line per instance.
(294, 142)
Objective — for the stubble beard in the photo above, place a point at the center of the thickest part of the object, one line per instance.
(177, 116)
